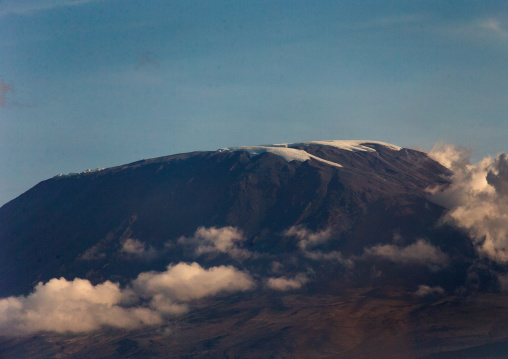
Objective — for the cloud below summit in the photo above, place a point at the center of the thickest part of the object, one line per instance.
(285, 283)
(79, 306)
(420, 252)
(185, 282)
(307, 238)
(71, 306)
(133, 248)
(477, 199)
(427, 291)
(217, 240)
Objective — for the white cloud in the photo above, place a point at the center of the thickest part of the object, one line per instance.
(133, 246)
(78, 306)
(477, 199)
(450, 156)
(285, 283)
(329, 256)
(71, 306)
(137, 249)
(419, 252)
(185, 282)
(23, 7)
(93, 253)
(217, 240)
(493, 26)
(161, 303)
(426, 291)
(308, 239)
(276, 267)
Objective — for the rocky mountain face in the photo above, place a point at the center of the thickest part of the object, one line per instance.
(345, 254)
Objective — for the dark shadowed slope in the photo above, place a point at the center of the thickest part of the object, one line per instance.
(73, 225)
(339, 250)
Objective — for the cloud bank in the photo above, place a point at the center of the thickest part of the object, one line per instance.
(427, 291)
(308, 239)
(217, 240)
(185, 282)
(477, 199)
(71, 306)
(78, 306)
(285, 283)
(420, 252)
(133, 248)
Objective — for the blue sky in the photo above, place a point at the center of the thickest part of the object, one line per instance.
(98, 83)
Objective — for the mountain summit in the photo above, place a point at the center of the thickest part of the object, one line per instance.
(73, 225)
(327, 238)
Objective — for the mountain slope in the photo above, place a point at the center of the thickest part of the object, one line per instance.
(284, 250)
(54, 224)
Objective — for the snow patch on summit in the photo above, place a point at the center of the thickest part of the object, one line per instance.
(348, 145)
(287, 154)
(79, 173)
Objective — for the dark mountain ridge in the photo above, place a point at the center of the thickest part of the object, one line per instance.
(52, 225)
(337, 234)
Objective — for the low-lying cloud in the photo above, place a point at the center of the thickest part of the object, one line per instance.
(427, 291)
(477, 199)
(420, 252)
(71, 306)
(185, 282)
(133, 248)
(308, 241)
(318, 255)
(78, 306)
(307, 238)
(217, 240)
(285, 283)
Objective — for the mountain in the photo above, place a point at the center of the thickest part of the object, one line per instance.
(322, 248)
